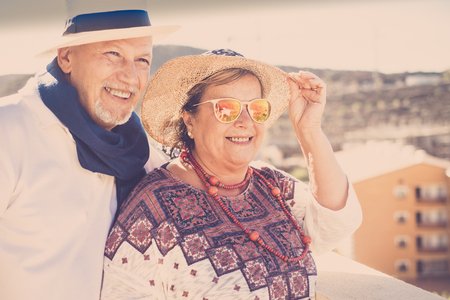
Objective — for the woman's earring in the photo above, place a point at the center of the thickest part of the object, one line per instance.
(190, 134)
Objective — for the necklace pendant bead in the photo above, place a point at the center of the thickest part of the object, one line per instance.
(275, 191)
(254, 236)
(213, 180)
(306, 239)
(213, 190)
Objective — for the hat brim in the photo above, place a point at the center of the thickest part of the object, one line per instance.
(156, 32)
(166, 93)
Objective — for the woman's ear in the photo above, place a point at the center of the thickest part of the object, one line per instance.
(187, 119)
(65, 59)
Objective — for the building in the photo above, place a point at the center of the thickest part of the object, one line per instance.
(404, 194)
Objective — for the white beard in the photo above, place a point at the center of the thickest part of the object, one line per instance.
(114, 117)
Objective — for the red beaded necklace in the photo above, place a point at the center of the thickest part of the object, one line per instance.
(212, 183)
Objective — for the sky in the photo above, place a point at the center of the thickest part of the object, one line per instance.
(389, 36)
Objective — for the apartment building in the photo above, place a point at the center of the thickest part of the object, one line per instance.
(404, 194)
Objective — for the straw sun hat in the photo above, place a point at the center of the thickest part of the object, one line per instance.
(167, 91)
(91, 21)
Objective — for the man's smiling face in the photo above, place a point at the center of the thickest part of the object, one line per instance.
(110, 77)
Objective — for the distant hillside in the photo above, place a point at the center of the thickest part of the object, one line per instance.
(410, 107)
(361, 106)
(164, 53)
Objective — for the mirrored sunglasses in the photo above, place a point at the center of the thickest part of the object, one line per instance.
(228, 110)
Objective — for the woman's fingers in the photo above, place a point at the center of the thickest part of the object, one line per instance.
(311, 87)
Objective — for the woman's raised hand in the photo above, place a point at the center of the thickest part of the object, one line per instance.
(307, 103)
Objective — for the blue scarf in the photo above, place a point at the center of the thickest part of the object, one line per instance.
(121, 152)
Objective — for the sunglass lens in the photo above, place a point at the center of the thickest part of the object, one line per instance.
(260, 110)
(227, 110)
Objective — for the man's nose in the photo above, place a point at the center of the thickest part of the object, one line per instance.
(128, 73)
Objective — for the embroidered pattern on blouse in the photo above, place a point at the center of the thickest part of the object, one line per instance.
(224, 259)
(173, 214)
(194, 247)
(278, 287)
(139, 232)
(286, 238)
(255, 273)
(188, 208)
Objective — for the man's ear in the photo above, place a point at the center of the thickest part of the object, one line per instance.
(65, 59)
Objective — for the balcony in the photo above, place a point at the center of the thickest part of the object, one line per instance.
(432, 218)
(341, 278)
(431, 194)
(432, 243)
(437, 268)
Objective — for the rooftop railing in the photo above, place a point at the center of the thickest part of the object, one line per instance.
(437, 249)
(437, 224)
(432, 199)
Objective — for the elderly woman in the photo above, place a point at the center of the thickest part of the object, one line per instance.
(211, 224)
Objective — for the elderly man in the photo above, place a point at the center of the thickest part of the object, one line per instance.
(71, 149)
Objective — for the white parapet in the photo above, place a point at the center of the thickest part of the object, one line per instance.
(340, 278)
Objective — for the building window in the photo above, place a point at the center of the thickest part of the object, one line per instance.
(401, 216)
(402, 265)
(402, 241)
(401, 191)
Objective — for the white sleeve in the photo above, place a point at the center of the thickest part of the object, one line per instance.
(11, 155)
(327, 228)
(7, 181)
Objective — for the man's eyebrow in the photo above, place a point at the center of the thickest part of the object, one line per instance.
(149, 54)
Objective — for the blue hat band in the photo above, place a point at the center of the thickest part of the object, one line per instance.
(107, 20)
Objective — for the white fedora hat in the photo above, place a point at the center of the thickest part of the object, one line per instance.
(91, 21)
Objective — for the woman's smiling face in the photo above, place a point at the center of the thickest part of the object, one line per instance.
(234, 144)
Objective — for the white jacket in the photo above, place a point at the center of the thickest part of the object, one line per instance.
(54, 215)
